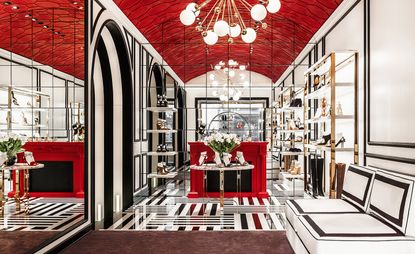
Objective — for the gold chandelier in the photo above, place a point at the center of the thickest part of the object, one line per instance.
(224, 19)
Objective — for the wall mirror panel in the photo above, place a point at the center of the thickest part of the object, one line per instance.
(42, 103)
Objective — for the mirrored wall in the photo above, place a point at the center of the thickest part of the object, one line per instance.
(42, 73)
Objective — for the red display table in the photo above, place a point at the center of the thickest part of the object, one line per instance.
(254, 152)
(66, 152)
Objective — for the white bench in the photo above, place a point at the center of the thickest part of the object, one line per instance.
(375, 215)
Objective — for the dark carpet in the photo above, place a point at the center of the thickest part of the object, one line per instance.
(181, 242)
(20, 242)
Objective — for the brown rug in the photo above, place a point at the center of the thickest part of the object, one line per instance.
(100, 242)
(20, 242)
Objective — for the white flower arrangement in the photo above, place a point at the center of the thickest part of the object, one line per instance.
(11, 143)
(222, 142)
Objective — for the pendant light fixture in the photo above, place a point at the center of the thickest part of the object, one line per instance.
(224, 19)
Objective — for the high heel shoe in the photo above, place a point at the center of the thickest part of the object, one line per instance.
(341, 141)
(218, 160)
(14, 99)
(202, 158)
(324, 140)
(240, 158)
(226, 159)
(164, 148)
(161, 124)
(164, 101)
(291, 125)
(161, 168)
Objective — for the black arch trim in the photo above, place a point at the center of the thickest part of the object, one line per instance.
(108, 133)
(127, 113)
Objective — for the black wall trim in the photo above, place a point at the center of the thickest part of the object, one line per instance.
(94, 23)
(390, 158)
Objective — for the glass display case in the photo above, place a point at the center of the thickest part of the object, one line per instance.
(244, 118)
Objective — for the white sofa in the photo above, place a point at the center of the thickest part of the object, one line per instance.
(376, 214)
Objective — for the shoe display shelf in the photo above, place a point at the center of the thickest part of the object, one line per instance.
(331, 118)
(25, 112)
(77, 117)
(161, 131)
(288, 131)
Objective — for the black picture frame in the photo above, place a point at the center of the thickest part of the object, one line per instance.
(143, 84)
(137, 90)
(144, 165)
(137, 174)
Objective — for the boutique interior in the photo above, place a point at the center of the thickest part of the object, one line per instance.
(249, 126)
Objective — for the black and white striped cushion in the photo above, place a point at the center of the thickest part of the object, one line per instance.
(391, 199)
(357, 185)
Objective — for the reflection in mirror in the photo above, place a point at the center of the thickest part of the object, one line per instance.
(41, 105)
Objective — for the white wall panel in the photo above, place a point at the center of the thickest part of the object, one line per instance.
(392, 37)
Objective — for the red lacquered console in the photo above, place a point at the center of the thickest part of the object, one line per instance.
(69, 153)
(254, 152)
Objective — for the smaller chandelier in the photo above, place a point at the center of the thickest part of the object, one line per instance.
(227, 81)
(225, 19)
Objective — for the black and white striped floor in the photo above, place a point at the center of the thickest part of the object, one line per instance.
(51, 214)
(168, 210)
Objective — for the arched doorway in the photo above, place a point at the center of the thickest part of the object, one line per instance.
(111, 122)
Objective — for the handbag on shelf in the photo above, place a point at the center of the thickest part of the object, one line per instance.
(297, 102)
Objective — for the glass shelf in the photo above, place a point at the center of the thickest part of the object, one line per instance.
(162, 109)
(328, 148)
(172, 153)
(328, 119)
(324, 91)
(161, 131)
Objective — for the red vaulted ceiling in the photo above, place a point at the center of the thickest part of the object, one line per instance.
(183, 49)
(50, 32)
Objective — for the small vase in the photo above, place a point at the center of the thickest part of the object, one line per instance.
(11, 160)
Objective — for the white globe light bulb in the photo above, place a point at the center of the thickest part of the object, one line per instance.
(192, 7)
(235, 30)
(249, 36)
(273, 6)
(212, 76)
(242, 67)
(221, 28)
(211, 38)
(258, 12)
(187, 17)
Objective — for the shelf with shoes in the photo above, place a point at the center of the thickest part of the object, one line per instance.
(288, 130)
(162, 134)
(77, 121)
(329, 118)
(24, 111)
(331, 127)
